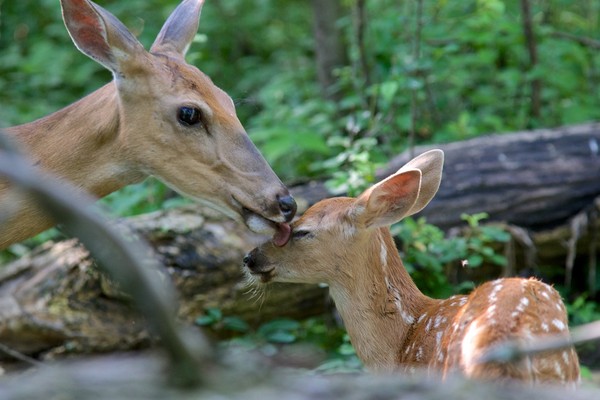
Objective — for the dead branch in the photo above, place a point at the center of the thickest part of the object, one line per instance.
(124, 256)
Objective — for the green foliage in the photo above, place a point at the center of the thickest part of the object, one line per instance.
(276, 336)
(214, 319)
(427, 252)
(471, 75)
(582, 310)
(148, 196)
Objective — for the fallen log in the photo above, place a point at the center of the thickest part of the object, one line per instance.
(534, 179)
(56, 301)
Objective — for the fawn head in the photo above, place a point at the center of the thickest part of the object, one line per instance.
(174, 123)
(338, 233)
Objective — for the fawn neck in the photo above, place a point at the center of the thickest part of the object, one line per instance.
(79, 143)
(380, 303)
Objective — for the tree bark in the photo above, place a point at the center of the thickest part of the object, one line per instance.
(536, 83)
(330, 50)
(56, 300)
(533, 179)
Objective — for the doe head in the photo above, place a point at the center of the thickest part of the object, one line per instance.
(174, 122)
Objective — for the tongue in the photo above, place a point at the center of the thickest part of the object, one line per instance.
(282, 234)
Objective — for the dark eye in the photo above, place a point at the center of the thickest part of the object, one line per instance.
(189, 116)
(300, 234)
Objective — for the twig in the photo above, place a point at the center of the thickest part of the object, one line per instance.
(585, 41)
(20, 356)
(514, 350)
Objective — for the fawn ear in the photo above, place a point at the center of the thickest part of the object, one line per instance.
(406, 192)
(430, 164)
(178, 32)
(390, 200)
(99, 34)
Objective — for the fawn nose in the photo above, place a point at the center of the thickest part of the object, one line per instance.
(249, 260)
(287, 206)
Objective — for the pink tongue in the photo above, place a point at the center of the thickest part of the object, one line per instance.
(282, 235)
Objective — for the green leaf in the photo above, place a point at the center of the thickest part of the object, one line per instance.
(281, 337)
(235, 324)
(205, 320)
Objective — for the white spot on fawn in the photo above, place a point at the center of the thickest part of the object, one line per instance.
(524, 302)
(409, 319)
(383, 257)
(558, 324)
(565, 357)
(545, 327)
(558, 369)
(438, 321)
(545, 294)
(428, 326)
(469, 350)
(438, 338)
(497, 286)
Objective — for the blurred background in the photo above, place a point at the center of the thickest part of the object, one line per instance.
(331, 90)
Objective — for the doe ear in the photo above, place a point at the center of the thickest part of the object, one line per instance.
(178, 32)
(390, 200)
(99, 34)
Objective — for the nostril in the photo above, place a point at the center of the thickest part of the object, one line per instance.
(247, 260)
(287, 205)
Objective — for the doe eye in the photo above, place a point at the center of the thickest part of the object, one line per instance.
(189, 116)
(300, 234)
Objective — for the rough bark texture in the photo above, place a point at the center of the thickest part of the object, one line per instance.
(55, 300)
(533, 179)
(329, 44)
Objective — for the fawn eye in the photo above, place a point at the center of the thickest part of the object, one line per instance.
(189, 116)
(300, 234)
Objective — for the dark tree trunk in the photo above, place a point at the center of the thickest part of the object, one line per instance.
(536, 83)
(330, 49)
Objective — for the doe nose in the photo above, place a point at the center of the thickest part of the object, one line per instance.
(288, 207)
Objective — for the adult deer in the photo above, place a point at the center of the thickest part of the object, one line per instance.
(159, 116)
(346, 243)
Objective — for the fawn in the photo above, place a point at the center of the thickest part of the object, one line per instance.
(346, 243)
